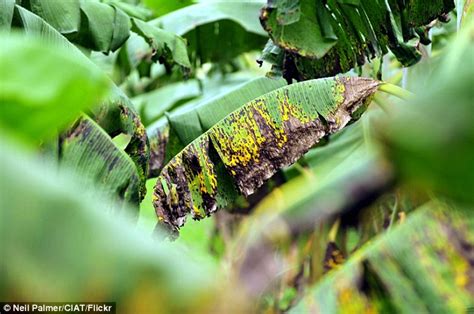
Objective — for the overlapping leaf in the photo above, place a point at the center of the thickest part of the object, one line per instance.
(180, 127)
(89, 150)
(431, 142)
(92, 24)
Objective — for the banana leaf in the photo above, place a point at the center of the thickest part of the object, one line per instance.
(117, 116)
(217, 31)
(154, 104)
(167, 45)
(249, 145)
(393, 275)
(327, 38)
(161, 7)
(6, 14)
(89, 150)
(92, 24)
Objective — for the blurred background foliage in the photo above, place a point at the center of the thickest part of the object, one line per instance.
(96, 97)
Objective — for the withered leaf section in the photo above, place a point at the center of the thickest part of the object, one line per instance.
(249, 145)
(317, 38)
(407, 270)
(117, 116)
(88, 149)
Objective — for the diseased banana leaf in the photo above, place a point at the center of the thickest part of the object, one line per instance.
(325, 38)
(117, 116)
(407, 270)
(88, 149)
(217, 31)
(253, 142)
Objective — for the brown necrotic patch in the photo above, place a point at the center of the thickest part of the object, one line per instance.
(187, 185)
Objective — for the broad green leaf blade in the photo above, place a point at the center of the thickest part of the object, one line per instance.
(60, 234)
(115, 115)
(90, 152)
(167, 44)
(64, 16)
(253, 142)
(154, 104)
(6, 14)
(294, 36)
(161, 7)
(33, 24)
(217, 31)
(91, 24)
(121, 28)
(243, 12)
(407, 270)
(44, 95)
(97, 25)
(131, 9)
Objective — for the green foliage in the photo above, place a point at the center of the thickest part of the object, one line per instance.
(92, 24)
(38, 98)
(326, 204)
(183, 125)
(164, 43)
(217, 31)
(87, 149)
(431, 139)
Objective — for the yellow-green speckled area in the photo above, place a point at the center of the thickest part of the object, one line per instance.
(253, 142)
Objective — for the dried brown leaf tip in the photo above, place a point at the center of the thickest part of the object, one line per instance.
(255, 141)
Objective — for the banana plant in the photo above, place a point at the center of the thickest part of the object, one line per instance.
(217, 31)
